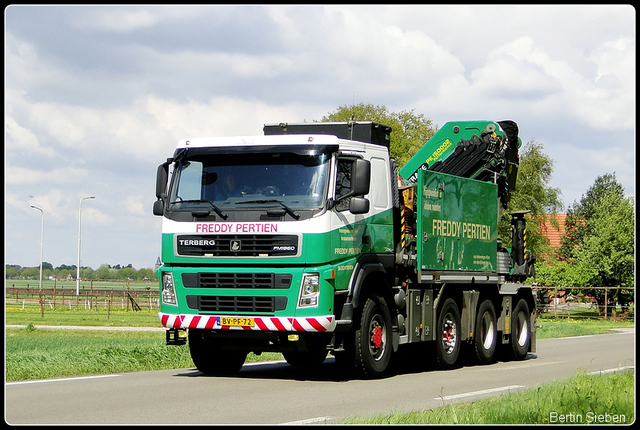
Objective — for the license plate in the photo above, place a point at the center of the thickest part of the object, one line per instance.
(236, 322)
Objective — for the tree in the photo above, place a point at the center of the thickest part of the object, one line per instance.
(409, 131)
(578, 215)
(12, 271)
(126, 273)
(532, 193)
(146, 275)
(31, 272)
(87, 273)
(104, 272)
(600, 239)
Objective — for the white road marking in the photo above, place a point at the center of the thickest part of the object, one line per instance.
(516, 365)
(258, 363)
(477, 393)
(41, 381)
(316, 420)
(607, 371)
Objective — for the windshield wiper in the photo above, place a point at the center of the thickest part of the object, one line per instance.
(214, 207)
(290, 211)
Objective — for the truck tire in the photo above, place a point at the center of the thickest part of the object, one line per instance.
(486, 332)
(520, 331)
(209, 358)
(373, 344)
(448, 334)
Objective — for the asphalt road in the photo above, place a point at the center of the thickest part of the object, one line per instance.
(276, 393)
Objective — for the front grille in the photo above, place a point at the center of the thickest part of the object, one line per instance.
(236, 280)
(266, 245)
(237, 304)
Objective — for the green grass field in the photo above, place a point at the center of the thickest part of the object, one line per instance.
(15, 314)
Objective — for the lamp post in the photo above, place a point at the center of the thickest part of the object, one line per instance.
(41, 242)
(79, 230)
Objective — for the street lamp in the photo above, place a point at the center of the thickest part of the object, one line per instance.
(41, 241)
(79, 226)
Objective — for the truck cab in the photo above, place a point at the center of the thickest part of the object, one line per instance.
(262, 234)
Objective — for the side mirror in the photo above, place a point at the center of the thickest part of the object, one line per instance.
(358, 205)
(158, 207)
(360, 177)
(162, 176)
(161, 180)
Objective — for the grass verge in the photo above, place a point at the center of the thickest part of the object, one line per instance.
(33, 353)
(549, 327)
(583, 399)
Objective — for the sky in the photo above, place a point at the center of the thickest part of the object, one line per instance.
(96, 97)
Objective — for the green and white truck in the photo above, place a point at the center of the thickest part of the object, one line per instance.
(307, 240)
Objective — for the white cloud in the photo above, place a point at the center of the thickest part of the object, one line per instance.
(220, 116)
(22, 138)
(58, 205)
(514, 77)
(117, 19)
(15, 175)
(93, 216)
(55, 203)
(135, 205)
(576, 95)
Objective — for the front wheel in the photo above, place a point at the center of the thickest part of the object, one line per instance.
(209, 358)
(448, 334)
(520, 331)
(373, 340)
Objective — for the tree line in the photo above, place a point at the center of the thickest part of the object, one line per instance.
(104, 272)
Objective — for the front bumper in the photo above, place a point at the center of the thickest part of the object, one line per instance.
(317, 324)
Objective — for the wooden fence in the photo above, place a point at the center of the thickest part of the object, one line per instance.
(106, 298)
(560, 302)
(550, 300)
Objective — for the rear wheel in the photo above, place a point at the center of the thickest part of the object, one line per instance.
(448, 334)
(373, 340)
(209, 358)
(520, 331)
(486, 332)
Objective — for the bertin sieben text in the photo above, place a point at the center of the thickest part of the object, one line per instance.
(588, 418)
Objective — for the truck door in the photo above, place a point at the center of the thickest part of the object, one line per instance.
(347, 229)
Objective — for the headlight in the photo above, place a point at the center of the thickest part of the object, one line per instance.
(168, 290)
(309, 290)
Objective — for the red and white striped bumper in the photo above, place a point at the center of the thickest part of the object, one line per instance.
(308, 324)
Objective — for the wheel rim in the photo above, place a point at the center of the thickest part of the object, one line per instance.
(449, 334)
(377, 334)
(487, 331)
(522, 332)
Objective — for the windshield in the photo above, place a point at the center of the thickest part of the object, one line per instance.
(243, 181)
